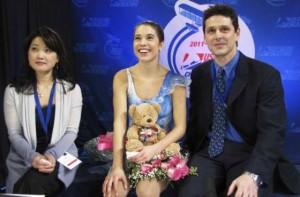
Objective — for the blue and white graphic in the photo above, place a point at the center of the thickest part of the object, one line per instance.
(103, 33)
(185, 47)
(80, 3)
(113, 47)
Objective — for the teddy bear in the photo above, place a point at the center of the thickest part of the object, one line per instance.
(145, 131)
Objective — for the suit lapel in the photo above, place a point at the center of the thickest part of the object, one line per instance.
(240, 81)
(206, 86)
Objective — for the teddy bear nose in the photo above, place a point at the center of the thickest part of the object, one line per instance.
(149, 120)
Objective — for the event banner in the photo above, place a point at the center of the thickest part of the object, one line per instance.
(103, 39)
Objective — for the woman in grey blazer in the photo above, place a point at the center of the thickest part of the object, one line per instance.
(42, 109)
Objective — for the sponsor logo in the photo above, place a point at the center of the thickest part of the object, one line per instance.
(113, 47)
(94, 69)
(288, 22)
(124, 3)
(95, 22)
(290, 75)
(81, 47)
(185, 47)
(280, 51)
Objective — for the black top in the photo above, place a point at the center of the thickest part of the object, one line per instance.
(43, 140)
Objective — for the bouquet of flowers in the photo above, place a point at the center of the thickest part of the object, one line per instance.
(163, 166)
(170, 164)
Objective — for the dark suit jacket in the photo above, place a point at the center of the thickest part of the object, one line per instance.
(256, 110)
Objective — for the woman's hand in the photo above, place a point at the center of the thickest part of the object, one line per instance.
(145, 154)
(43, 163)
(36, 161)
(49, 168)
(111, 182)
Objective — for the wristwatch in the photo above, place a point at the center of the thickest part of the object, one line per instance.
(256, 178)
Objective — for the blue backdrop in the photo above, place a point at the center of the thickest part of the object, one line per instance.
(103, 32)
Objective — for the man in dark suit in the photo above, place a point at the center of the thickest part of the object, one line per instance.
(237, 119)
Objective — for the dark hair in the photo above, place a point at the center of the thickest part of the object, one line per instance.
(158, 29)
(26, 81)
(223, 10)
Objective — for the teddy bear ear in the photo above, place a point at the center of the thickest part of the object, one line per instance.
(157, 107)
(132, 109)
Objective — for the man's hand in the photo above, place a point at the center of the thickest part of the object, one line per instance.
(243, 186)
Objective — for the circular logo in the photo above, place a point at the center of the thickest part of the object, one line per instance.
(80, 3)
(276, 3)
(185, 47)
(113, 49)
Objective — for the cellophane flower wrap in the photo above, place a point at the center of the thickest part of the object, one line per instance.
(100, 148)
(163, 166)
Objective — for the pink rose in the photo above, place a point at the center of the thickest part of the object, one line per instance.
(184, 170)
(174, 174)
(174, 160)
(156, 163)
(165, 165)
(182, 163)
(146, 168)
